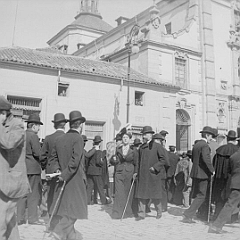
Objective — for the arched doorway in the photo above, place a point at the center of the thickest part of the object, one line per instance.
(183, 124)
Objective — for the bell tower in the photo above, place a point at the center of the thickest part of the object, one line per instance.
(89, 6)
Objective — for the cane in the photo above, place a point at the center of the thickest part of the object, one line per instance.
(210, 199)
(134, 177)
(54, 209)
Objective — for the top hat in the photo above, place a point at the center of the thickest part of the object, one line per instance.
(208, 129)
(75, 116)
(158, 136)
(147, 129)
(137, 142)
(84, 138)
(215, 132)
(231, 135)
(4, 104)
(164, 133)
(34, 118)
(59, 117)
(97, 139)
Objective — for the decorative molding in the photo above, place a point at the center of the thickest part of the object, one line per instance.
(181, 55)
(182, 103)
(221, 113)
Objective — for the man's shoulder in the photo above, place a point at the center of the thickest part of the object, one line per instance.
(15, 122)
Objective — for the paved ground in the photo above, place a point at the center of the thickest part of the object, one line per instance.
(100, 226)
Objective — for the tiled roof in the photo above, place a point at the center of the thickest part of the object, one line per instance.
(76, 64)
(91, 21)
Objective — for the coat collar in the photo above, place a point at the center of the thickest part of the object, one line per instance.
(73, 131)
(8, 120)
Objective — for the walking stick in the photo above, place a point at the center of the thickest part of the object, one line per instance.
(134, 177)
(210, 199)
(54, 209)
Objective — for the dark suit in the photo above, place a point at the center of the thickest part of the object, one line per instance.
(201, 172)
(94, 176)
(68, 157)
(126, 166)
(234, 198)
(32, 200)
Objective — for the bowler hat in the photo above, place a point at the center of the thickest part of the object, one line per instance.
(147, 129)
(158, 136)
(4, 104)
(84, 138)
(232, 135)
(75, 116)
(59, 117)
(137, 142)
(208, 129)
(34, 118)
(189, 153)
(172, 147)
(97, 139)
(118, 137)
(164, 133)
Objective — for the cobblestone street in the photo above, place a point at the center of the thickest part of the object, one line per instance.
(101, 226)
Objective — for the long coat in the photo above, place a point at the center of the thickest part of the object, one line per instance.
(221, 164)
(47, 148)
(68, 157)
(202, 167)
(235, 170)
(13, 173)
(149, 184)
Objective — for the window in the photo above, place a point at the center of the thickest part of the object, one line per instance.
(180, 72)
(24, 106)
(139, 98)
(168, 27)
(136, 132)
(63, 89)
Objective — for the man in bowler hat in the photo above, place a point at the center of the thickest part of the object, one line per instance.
(152, 161)
(32, 200)
(201, 172)
(59, 122)
(13, 174)
(68, 158)
(94, 172)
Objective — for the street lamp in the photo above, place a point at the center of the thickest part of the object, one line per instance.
(132, 47)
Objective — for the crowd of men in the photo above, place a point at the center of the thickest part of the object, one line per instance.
(144, 173)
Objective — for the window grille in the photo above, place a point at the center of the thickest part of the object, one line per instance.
(180, 72)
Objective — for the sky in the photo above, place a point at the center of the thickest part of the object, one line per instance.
(34, 22)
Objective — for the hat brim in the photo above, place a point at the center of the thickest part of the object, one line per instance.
(83, 120)
(233, 138)
(208, 132)
(62, 120)
(34, 122)
(148, 132)
(98, 141)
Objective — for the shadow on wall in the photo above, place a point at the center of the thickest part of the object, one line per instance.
(116, 122)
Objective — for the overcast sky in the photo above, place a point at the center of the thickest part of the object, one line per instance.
(39, 20)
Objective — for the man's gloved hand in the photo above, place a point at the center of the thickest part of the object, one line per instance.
(152, 170)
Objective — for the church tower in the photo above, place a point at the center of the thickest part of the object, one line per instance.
(88, 26)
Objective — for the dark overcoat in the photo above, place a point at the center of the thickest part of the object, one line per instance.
(95, 164)
(235, 170)
(68, 157)
(149, 184)
(173, 160)
(47, 148)
(202, 167)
